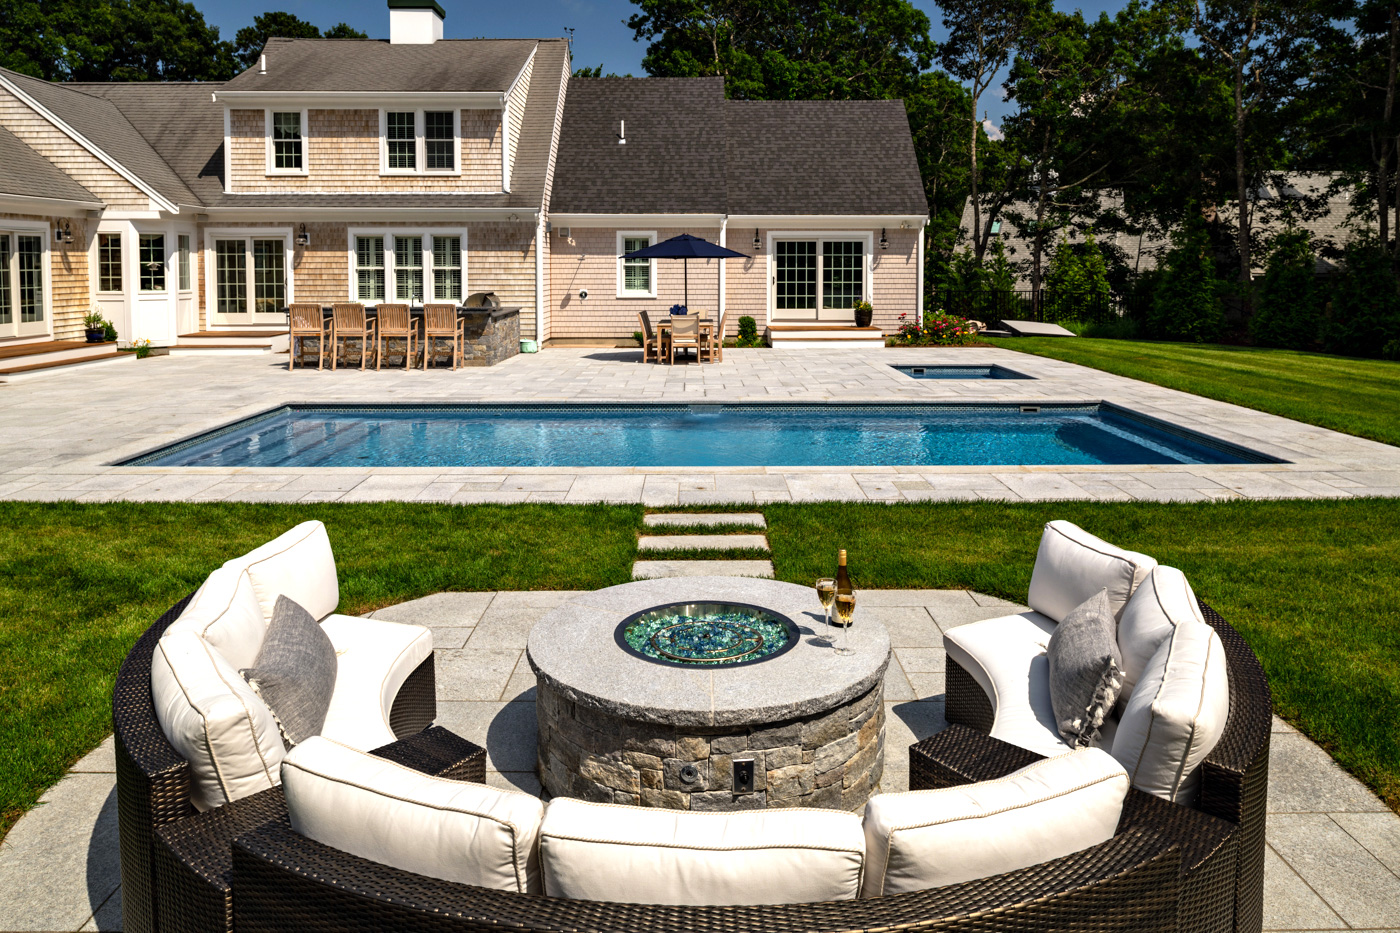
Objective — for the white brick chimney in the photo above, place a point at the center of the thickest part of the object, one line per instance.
(415, 22)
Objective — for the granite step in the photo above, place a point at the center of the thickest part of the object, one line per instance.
(700, 542)
(683, 519)
(652, 569)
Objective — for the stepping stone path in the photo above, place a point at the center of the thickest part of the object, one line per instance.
(680, 541)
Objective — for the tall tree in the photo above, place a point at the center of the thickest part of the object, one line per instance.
(982, 36)
(249, 41)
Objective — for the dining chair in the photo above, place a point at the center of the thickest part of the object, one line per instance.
(716, 341)
(685, 332)
(349, 322)
(441, 322)
(651, 339)
(393, 322)
(305, 320)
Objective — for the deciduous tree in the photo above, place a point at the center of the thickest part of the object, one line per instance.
(249, 41)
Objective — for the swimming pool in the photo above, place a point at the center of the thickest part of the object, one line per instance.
(693, 436)
(960, 372)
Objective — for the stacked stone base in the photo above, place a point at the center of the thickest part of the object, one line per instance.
(832, 760)
(492, 336)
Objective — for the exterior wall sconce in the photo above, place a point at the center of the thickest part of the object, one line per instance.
(757, 243)
(63, 234)
(884, 240)
(303, 238)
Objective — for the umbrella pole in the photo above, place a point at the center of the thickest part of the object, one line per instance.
(685, 268)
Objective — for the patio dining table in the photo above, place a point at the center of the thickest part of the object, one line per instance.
(663, 332)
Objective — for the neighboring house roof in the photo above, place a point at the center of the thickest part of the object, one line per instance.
(25, 173)
(361, 65)
(101, 123)
(822, 157)
(689, 151)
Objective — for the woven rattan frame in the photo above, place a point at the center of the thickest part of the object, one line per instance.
(1234, 781)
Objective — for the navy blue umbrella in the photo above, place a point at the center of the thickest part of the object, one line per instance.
(684, 247)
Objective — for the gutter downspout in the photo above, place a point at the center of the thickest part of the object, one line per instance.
(539, 279)
(723, 231)
(923, 232)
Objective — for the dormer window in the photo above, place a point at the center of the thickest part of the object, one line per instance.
(417, 142)
(286, 142)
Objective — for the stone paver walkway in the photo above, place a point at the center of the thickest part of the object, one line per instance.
(1333, 861)
(58, 434)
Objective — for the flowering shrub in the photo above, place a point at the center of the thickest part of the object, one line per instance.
(936, 330)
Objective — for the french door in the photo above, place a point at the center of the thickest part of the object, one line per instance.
(250, 281)
(817, 279)
(22, 285)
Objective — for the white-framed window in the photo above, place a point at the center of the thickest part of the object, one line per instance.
(109, 262)
(420, 142)
(827, 271)
(636, 278)
(186, 273)
(150, 257)
(407, 265)
(24, 293)
(248, 271)
(286, 142)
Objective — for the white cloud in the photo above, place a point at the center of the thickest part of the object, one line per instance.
(993, 131)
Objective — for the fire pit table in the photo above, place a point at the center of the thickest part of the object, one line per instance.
(708, 693)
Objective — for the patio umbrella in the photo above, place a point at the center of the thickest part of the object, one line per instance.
(684, 247)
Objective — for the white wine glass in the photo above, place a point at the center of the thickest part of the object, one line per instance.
(826, 592)
(845, 609)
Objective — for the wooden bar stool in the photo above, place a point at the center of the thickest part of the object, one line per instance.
(394, 322)
(304, 320)
(440, 322)
(350, 323)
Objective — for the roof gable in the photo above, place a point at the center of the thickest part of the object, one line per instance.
(25, 173)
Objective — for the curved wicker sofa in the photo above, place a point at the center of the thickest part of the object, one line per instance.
(1168, 868)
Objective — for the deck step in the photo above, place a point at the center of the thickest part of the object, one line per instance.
(35, 367)
(654, 569)
(701, 542)
(824, 337)
(684, 519)
(231, 341)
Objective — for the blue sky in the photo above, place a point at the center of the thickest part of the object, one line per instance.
(599, 33)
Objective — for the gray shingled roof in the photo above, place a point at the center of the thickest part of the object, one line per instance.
(673, 161)
(99, 121)
(24, 172)
(375, 65)
(690, 151)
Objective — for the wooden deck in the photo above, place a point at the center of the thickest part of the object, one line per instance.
(14, 351)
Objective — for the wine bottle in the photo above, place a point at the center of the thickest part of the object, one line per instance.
(843, 579)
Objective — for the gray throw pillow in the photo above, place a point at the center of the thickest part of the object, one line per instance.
(1086, 669)
(294, 672)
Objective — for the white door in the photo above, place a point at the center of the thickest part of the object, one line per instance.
(794, 280)
(153, 315)
(186, 306)
(22, 286)
(249, 280)
(818, 280)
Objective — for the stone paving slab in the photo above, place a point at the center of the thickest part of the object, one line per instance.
(654, 569)
(49, 449)
(1332, 862)
(701, 542)
(684, 519)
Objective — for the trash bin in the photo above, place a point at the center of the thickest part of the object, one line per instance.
(529, 346)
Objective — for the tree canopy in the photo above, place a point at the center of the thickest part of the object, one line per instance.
(249, 41)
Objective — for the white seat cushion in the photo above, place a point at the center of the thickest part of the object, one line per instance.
(373, 659)
(642, 855)
(440, 828)
(1160, 604)
(297, 564)
(226, 613)
(1006, 656)
(1176, 714)
(930, 838)
(1073, 565)
(214, 720)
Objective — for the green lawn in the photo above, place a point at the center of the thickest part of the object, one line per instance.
(1360, 397)
(1310, 584)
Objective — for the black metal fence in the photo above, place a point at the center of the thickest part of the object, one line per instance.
(1032, 304)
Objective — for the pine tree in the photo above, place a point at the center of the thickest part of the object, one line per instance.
(1187, 303)
(1289, 314)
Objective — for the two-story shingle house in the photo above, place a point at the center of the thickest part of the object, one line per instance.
(421, 168)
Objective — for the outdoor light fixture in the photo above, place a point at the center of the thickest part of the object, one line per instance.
(63, 234)
(757, 243)
(884, 240)
(303, 238)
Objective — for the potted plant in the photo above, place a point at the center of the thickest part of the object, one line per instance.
(95, 327)
(863, 313)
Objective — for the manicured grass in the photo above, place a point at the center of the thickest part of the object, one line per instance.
(1310, 584)
(1348, 395)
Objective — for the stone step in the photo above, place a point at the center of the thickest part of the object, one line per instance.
(700, 542)
(652, 569)
(682, 519)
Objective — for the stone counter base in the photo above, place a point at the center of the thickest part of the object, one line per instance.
(492, 336)
(832, 760)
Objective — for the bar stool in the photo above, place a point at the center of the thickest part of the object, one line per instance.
(350, 323)
(440, 322)
(394, 322)
(304, 320)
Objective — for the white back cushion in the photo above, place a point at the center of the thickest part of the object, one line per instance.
(930, 838)
(1176, 714)
(297, 564)
(436, 827)
(214, 720)
(226, 613)
(643, 855)
(1073, 565)
(1160, 604)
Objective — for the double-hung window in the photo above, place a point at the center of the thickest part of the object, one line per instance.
(151, 255)
(21, 283)
(410, 267)
(250, 274)
(636, 278)
(421, 142)
(109, 262)
(287, 142)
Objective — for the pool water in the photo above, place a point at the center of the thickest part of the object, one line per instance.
(961, 372)
(693, 436)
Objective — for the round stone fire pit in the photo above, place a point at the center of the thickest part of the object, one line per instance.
(648, 693)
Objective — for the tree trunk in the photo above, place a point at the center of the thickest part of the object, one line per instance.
(979, 242)
(1388, 143)
(1242, 193)
(1038, 247)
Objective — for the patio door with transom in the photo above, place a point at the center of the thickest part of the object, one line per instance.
(22, 285)
(249, 279)
(817, 280)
